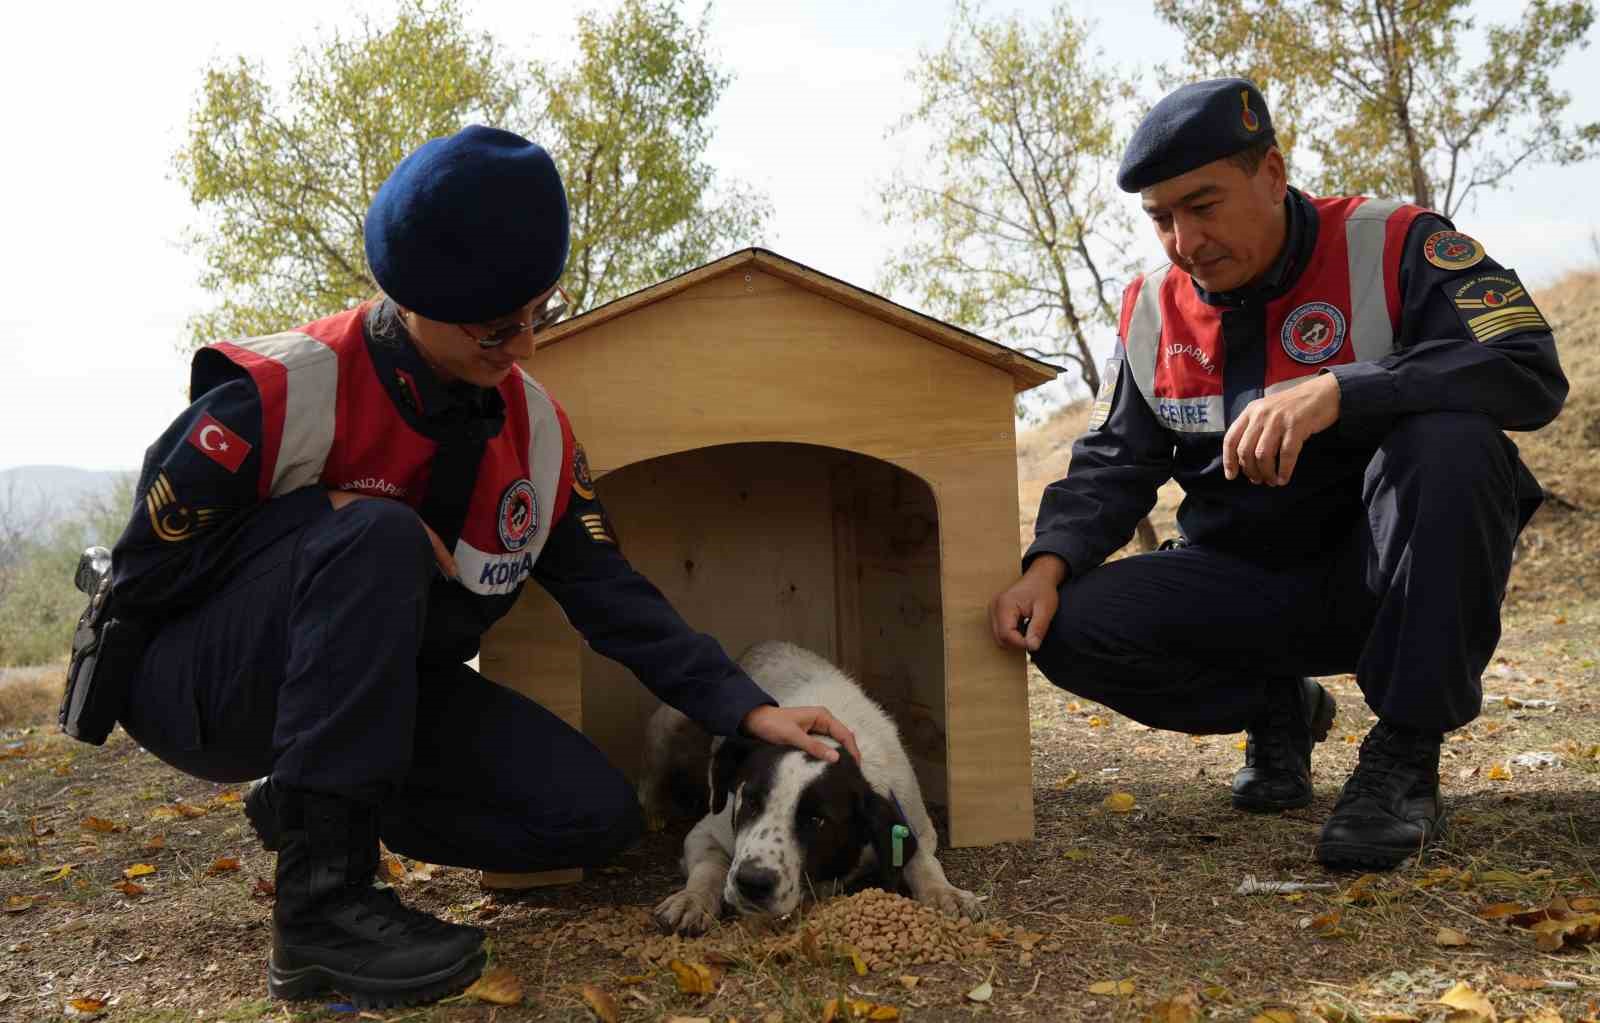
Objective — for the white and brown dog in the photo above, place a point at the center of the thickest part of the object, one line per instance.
(782, 823)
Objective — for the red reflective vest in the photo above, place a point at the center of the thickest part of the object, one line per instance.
(1345, 307)
(326, 419)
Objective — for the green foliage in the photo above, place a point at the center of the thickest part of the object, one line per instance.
(283, 177)
(628, 123)
(1378, 92)
(39, 606)
(1019, 232)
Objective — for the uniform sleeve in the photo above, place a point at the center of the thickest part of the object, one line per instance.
(1117, 466)
(621, 615)
(1455, 350)
(196, 488)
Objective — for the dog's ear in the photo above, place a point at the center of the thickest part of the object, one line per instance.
(732, 753)
(878, 817)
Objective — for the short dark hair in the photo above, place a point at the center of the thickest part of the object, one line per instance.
(1249, 159)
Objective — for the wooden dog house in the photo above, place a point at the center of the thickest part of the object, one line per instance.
(790, 457)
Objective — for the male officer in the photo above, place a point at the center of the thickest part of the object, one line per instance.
(1328, 380)
(326, 532)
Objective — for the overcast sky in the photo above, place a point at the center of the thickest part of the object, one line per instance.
(97, 287)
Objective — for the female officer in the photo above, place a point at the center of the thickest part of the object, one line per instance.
(320, 541)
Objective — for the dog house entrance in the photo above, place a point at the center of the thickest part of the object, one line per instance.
(832, 550)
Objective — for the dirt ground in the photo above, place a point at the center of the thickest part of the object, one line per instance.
(140, 894)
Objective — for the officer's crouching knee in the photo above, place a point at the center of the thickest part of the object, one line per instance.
(619, 826)
(387, 533)
(1453, 437)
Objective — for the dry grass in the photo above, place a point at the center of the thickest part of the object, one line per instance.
(30, 695)
(1146, 896)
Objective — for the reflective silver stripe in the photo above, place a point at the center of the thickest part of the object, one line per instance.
(486, 573)
(1191, 415)
(1371, 332)
(1143, 342)
(311, 383)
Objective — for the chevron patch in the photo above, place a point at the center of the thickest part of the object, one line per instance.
(1495, 305)
(171, 519)
(599, 531)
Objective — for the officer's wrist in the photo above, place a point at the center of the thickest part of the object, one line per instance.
(1051, 568)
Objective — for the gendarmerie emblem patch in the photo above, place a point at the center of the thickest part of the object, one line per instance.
(582, 482)
(1494, 305)
(1108, 393)
(1313, 333)
(519, 515)
(1452, 250)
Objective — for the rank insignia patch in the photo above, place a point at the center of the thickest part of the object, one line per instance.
(1452, 250)
(172, 520)
(1108, 393)
(1494, 305)
(582, 482)
(599, 530)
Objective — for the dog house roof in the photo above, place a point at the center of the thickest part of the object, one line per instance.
(1026, 372)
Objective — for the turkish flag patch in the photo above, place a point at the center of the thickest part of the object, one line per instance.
(219, 443)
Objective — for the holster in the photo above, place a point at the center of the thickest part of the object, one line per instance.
(106, 653)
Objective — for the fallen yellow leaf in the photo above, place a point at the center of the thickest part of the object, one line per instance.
(91, 1006)
(1096, 721)
(155, 844)
(1327, 922)
(693, 978)
(1498, 772)
(982, 993)
(1112, 987)
(1066, 781)
(1122, 920)
(1184, 1008)
(1120, 802)
(830, 1010)
(139, 870)
(102, 825)
(1469, 1005)
(1393, 1017)
(129, 888)
(1500, 909)
(603, 1005)
(856, 962)
(882, 1012)
(223, 865)
(1275, 1016)
(58, 874)
(1240, 745)
(230, 796)
(394, 867)
(909, 981)
(498, 986)
(1450, 937)
(18, 903)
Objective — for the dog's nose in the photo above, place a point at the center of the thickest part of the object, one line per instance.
(755, 884)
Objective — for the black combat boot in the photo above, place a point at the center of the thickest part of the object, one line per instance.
(1391, 807)
(334, 930)
(1277, 755)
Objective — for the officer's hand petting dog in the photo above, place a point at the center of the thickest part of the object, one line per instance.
(795, 726)
(1265, 441)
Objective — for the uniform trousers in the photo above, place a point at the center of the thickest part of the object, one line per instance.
(306, 664)
(1192, 639)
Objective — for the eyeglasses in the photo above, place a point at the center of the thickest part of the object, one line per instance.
(555, 307)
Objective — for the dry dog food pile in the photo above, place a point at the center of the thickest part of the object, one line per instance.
(886, 930)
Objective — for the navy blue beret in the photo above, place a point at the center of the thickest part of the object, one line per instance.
(1200, 122)
(469, 227)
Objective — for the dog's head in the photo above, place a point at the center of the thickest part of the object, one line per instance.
(799, 821)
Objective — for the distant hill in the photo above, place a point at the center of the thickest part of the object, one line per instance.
(32, 494)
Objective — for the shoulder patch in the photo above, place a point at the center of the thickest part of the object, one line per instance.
(170, 518)
(1452, 250)
(582, 482)
(1493, 305)
(1108, 393)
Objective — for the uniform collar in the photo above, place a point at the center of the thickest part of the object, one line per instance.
(1301, 237)
(435, 408)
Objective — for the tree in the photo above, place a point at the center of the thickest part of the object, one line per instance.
(629, 122)
(1018, 230)
(1377, 91)
(283, 177)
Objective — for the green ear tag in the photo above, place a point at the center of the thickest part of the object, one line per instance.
(898, 835)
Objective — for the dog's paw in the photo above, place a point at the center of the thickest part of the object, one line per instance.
(687, 912)
(953, 901)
